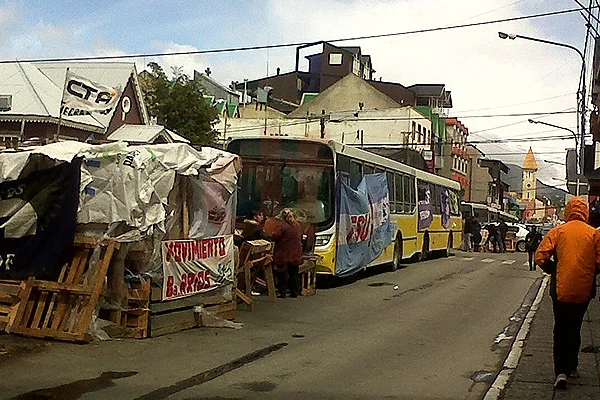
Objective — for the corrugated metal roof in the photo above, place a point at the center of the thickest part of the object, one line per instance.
(144, 134)
(37, 88)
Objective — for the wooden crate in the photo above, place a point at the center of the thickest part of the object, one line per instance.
(176, 315)
(9, 300)
(63, 310)
(135, 319)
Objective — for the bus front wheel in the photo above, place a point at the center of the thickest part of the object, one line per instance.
(397, 253)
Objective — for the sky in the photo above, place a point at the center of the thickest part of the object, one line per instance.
(488, 77)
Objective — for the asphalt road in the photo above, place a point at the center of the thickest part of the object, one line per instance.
(443, 334)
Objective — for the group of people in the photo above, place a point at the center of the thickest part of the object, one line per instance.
(287, 255)
(496, 236)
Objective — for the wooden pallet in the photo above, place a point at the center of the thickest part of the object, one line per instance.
(9, 301)
(63, 310)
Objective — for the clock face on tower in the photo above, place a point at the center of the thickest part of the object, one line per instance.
(529, 185)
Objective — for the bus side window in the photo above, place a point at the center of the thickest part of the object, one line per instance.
(409, 189)
(355, 174)
(398, 193)
(436, 199)
(391, 191)
(344, 177)
(343, 168)
(368, 169)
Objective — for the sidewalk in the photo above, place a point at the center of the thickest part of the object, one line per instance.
(533, 378)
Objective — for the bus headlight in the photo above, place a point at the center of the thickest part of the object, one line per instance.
(322, 240)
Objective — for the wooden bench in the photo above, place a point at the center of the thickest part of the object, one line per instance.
(308, 274)
(256, 257)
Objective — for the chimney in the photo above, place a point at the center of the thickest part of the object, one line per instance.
(278, 70)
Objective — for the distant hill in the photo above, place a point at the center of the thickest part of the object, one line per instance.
(515, 179)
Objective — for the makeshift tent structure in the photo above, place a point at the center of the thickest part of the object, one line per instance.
(165, 207)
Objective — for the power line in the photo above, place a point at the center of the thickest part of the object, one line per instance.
(297, 44)
(516, 104)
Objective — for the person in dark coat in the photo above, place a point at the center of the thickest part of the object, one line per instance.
(502, 230)
(532, 241)
(476, 234)
(492, 238)
(287, 256)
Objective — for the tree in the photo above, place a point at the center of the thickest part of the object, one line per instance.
(178, 104)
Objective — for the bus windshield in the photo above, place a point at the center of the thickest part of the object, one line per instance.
(301, 181)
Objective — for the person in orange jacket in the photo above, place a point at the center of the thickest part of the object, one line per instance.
(570, 253)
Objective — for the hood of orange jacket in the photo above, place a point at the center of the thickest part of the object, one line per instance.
(577, 209)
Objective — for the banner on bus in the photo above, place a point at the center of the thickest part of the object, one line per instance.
(364, 224)
(196, 265)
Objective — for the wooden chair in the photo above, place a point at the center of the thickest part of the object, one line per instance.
(256, 256)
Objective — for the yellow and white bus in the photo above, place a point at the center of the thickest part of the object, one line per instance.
(306, 175)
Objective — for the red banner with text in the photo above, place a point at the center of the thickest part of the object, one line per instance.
(196, 265)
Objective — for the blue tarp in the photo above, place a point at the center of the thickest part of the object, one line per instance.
(364, 229)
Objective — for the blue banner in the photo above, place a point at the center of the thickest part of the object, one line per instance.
(364, 228)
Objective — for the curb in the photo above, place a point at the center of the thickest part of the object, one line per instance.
(512, 359)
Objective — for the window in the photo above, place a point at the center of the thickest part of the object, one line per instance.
(356, 66)
(335, 58)
(409, 190)
(355, 174)
(368, 169)
(436, 199)
(390, 182)
(398, 195)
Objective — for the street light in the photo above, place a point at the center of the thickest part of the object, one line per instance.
(578, 167)
(581, 92)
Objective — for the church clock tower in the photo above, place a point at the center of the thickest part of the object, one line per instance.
(529, 177)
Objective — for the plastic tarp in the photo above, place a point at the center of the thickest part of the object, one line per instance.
(130, 185)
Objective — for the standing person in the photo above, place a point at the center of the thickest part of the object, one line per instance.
(492, 238)
(575, 246)
(502, 230)
(288, 254)
(532, 242)
(467, 244)
(476, 235)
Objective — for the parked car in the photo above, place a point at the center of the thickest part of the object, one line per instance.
(520, 231)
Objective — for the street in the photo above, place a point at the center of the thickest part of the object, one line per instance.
(443, 334)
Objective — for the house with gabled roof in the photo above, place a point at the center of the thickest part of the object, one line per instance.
(33, 92)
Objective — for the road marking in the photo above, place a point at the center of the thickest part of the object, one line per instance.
(526, 264)
(488, 260)
(468, 258)
(508, 262)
